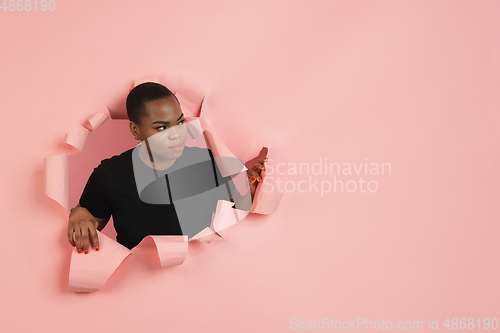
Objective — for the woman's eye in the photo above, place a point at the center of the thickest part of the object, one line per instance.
(161, 128)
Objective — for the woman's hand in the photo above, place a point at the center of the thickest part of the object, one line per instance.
(80, 223)
(254, 177)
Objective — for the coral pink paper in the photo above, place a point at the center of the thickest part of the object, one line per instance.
(266, 201)
(89, 272)
(77, 139)
(224, 217)
(57, 179)
(97, 119)
(172, 249)
(206, 235)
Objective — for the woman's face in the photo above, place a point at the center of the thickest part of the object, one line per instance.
(163, 129)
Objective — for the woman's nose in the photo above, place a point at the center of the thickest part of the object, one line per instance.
(173, 132)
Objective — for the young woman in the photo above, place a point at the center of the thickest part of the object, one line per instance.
(160, 187)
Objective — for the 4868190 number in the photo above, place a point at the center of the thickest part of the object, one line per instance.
(28, 5)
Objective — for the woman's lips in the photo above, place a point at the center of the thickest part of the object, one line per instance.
(178, 147)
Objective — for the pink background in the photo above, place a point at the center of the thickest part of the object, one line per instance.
(410, 83)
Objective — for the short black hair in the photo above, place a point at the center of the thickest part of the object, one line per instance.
(142, 93)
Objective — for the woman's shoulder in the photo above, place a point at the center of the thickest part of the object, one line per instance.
(116, 161)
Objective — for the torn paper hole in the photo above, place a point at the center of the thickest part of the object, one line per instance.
(89, 272)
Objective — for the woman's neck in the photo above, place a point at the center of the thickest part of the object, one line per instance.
(157, 164)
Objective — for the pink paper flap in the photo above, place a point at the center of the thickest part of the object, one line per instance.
(88, 272)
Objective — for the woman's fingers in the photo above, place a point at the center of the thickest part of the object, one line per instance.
(253, 176)
(78, 239)
(71, 230)
(93, 233)
(258, 167)
(81, 227)
(82, 239)
(254, 173)
(85, 238)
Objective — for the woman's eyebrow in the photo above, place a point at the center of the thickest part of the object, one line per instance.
(166, 122)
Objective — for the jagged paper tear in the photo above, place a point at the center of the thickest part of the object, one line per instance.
(89, 272)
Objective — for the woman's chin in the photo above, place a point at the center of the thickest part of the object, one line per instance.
(170, 154)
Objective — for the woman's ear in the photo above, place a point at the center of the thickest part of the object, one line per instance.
(135, 130)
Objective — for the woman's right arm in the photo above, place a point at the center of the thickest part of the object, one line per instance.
(80, 223)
